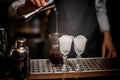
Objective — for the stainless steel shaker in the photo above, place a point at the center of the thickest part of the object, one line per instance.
(19, 60)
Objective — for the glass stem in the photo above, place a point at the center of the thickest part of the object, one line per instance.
(64, 67)
(78, 62)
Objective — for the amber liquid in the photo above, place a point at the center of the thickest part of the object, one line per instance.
(55, 55)
(56, 58)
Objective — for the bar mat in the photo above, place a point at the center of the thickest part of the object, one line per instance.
(43, 66)
(100, 64)
(40, 66)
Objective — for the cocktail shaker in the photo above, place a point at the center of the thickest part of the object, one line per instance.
(19, 60)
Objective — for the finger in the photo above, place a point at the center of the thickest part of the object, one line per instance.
(48, 12)
(43, 2)
(114, 54)
(37, 2)
(33, 2)
(109, 53)
(103, 51)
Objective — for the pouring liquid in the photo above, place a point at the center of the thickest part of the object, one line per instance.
(56, 15)
(55, 55)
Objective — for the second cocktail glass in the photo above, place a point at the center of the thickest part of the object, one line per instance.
(79, 47)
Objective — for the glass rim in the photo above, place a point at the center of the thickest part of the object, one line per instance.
(52, 35)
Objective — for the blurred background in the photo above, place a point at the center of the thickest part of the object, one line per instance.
(36, 29)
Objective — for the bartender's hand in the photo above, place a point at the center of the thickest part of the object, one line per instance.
(37, 3)
(108, 49)
(31, 5)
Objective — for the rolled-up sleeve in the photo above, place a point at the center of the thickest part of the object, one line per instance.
(12, 11)
(102, 15)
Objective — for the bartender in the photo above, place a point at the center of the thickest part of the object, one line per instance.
(75, 17)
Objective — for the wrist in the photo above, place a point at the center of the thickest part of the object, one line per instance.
(107, 35)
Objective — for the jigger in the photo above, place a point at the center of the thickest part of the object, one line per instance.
(50, 4)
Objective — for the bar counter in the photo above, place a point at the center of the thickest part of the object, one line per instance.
(90, 67)
(42, 69)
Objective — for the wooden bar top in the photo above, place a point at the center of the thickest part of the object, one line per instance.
(75, 75)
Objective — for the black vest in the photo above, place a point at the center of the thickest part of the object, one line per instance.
(77, 17)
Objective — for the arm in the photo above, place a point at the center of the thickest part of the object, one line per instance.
(102, 15)
(107, 46)
(21, 7)
(12, 11)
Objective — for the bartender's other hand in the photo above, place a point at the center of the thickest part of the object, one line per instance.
(108, 49)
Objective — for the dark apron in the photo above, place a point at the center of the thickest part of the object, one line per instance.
(77, 17)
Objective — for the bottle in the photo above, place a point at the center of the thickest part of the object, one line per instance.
(19, 60)
(3, 51)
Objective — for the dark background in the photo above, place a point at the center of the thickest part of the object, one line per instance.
(112, 9)
(114, 15)
(11, 26)
(4, 19)
(4, 4)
